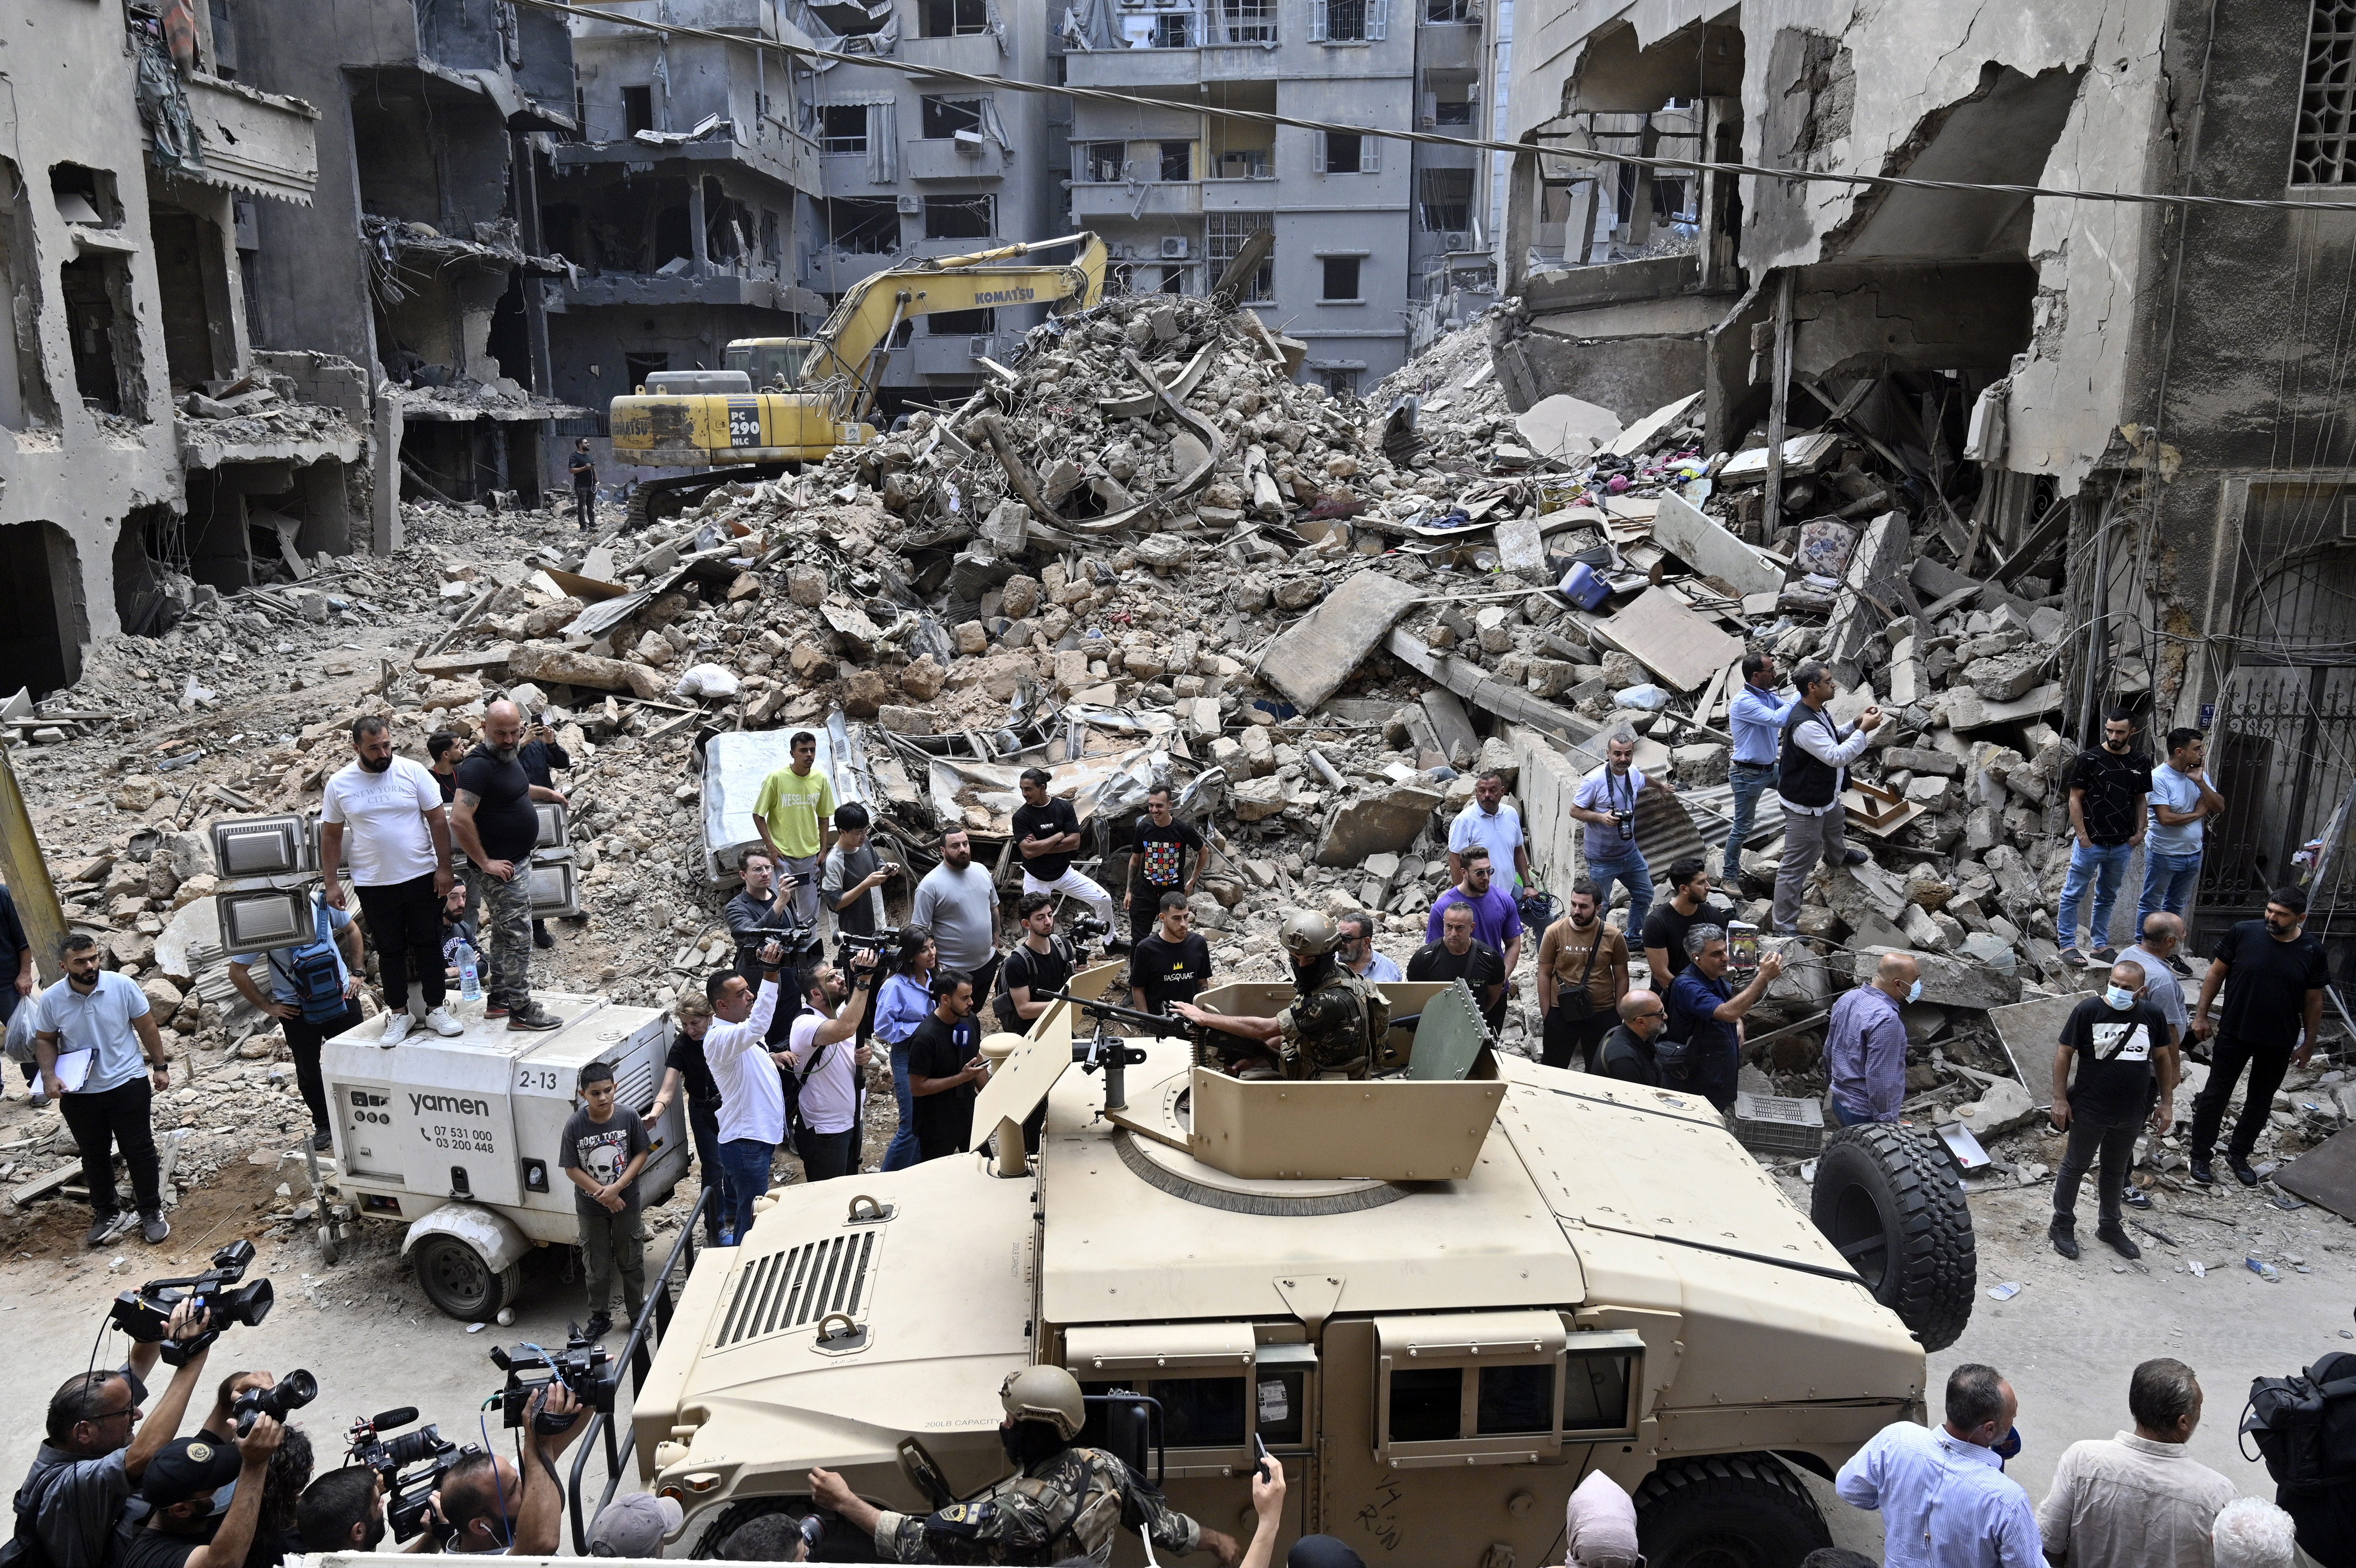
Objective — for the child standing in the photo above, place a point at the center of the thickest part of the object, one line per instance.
(604, 1147)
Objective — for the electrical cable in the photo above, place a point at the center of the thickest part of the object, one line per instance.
(667, 30)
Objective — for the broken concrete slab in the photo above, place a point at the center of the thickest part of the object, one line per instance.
(1701, 543)
(1946, 982)
(2001, 1105)
(2030, 1031)
(1642, 436)
(1968, 710)
(1662, 633)
(1450, 725)
(1564, 426)
(1387, 823)
(541, 662)
(1868, 593)
(1521, 550)
(1308, 662)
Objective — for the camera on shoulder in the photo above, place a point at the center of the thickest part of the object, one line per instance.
(411, 1465)
(581, 1366)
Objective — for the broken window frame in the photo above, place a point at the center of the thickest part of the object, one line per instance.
(1348, 21)
(1224, 236)
(967, 18)
(1248, 21)
(1174, 30)
(1181, 154)
(1105, 163)
(943, 206)
(939, 117)
(834, 136)
(1356, 277)
(634, 109)
(874, 232)
(1432, 205)
(1364, 157)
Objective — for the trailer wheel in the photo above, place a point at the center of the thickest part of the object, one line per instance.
(457, 1280)
(1726, 1510)
(329, 1248)
(1886, 1197)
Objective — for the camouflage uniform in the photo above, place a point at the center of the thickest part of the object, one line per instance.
(1330, 1026)
(1071, 1505)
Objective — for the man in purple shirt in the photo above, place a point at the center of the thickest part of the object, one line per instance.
(1864, 1051)
(1496, 920)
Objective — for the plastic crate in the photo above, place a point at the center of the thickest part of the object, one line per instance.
(1772, 1125)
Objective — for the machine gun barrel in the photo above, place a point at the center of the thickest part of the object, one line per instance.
(1154, 1024)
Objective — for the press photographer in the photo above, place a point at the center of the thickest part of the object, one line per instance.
(483, 1506)
(97, 1452)
(182, 1529)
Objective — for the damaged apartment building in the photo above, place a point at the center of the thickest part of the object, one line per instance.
(1364, 223)
(152, 449)
(421, 254)
(2142, 403)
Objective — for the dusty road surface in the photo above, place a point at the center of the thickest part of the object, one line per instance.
(2068, 1339)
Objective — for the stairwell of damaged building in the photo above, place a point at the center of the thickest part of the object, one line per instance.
(2017, 354)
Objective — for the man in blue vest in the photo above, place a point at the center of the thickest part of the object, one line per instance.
(1810, 769)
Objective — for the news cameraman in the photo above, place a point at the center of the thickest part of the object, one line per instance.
(97, 1452)
(343, 1510)
(180, 1530)
(483, 1508)
(766, 904)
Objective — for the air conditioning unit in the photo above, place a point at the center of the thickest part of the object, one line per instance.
(263, 846)
(978, 347)
(1455, 240)
(1173, 247)
(914, 206)
(968, 142)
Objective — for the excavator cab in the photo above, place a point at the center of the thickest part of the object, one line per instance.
(773, 364)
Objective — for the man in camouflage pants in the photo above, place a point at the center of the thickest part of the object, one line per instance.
(1061, 1502)
(1336, 1021)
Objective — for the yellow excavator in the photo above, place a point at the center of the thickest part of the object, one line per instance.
(784, 400)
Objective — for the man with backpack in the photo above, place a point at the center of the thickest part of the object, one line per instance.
(1040, 963)
(829, 1065)
(314, 992)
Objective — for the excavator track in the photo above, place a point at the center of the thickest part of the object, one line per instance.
(655, 499)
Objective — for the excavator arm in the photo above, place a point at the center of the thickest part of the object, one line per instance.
(854, 337)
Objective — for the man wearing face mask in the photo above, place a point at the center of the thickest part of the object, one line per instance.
(1864, 1051)
(2116, 1040)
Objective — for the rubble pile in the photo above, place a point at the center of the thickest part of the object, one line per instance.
(1144, 552)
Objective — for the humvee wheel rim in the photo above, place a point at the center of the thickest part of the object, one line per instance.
(1859, 1236)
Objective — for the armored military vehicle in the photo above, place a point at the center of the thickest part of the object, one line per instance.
(1441, 1298)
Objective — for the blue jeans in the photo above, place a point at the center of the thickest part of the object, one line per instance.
(1749, 781)
(1632, 873)
(902, 1152)
(2168, 884)
(2105, 865)
(745, 1163)
(1845, 1117)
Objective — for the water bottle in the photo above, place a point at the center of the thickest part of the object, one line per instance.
(470, 985)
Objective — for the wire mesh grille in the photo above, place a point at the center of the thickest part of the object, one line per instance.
(2325, 151)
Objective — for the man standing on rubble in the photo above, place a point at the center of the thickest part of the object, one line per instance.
(390, 810)
(1706, 1012)
(1583, 974)
(2180, 800)
(495, 824)
(584, 469)
(1158, 865)
(1811, 766)
(1686, 906)
(1047, 837)
(794, 814)
(959, 902)
(1606, 801)
(2278, 974)
(2109, 787)
(1757, 719)
(1497, 920)
(1865, 1047)
(1457, 955)
(1492, 824)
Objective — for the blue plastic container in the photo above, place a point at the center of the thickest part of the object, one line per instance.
(1584, 588)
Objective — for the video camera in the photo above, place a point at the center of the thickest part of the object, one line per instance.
(878, 941)
(146, 1314)
(1090, 926)
(279, 1401)
(580, 1367)
(425, 1454)
(799, 941)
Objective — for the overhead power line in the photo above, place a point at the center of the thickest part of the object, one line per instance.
(1433, 138)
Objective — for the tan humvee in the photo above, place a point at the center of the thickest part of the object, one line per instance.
(1440, 1299)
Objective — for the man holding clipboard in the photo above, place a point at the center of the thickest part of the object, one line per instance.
(103, 1061)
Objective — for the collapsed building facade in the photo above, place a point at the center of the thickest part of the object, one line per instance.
(2140, 400)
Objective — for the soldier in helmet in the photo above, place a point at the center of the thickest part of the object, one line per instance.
(1336, 1019)
(1062, 1501)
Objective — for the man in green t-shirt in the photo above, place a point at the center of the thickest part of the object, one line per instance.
(794, 814)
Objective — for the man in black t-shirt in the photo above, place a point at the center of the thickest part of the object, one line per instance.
(180, 1529)
(1047, 837)
(2274, 995)
(946, 1070)
(1456, 956)
(1040, 963)
(1159, 865)
(1171, 965)
(1666, 927)
(685, 1069)
(2125, 1056)
(493, 821)
(583, 467)
(2109, 786)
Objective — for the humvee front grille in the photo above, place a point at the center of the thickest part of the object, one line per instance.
(796, 1287)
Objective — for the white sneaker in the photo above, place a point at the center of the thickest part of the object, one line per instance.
(396, 1029)
(440, 1021)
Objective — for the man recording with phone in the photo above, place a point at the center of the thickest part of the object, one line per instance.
(97, 1451)
(483, 1508)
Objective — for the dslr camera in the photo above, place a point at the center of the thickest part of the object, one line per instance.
(279, 1401)
(146, 1314)
(411, 1465)
(580, 1367)
(1086, 925)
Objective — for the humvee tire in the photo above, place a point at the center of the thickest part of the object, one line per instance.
(1886, 1197)
(458, 1282)
(1726, 1510)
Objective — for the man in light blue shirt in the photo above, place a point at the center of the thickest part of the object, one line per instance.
(1357, 950)
(104, 1062)
(1490, 823)
(1941, 1491)
(1756, 719)
(1606, 801)
(2181, 799)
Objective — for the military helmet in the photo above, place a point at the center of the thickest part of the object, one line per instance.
(1306, 934)
(1045, 1393)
